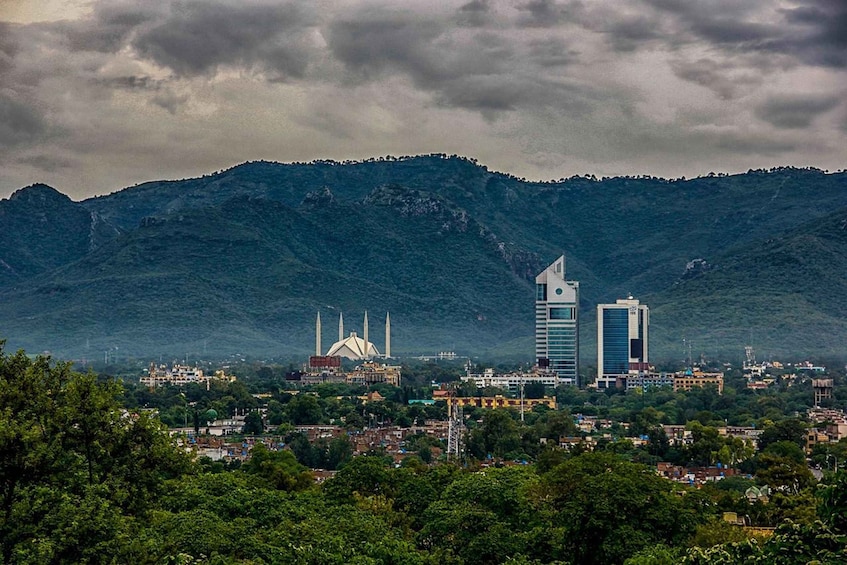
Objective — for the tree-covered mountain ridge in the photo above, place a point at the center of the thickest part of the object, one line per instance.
(241, 260)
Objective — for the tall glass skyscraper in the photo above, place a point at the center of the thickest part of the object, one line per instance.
(557, 322)
(622, 339)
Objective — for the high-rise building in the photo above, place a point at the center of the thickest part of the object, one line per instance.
(622, 330)
(557, 322)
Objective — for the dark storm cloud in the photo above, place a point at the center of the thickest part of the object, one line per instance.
(724, 79)
(475, 13)
(795, 112)
(198, 37)
(822, 39)
(545, 13)
(20, 123)
(552, 52)
(109, 27)
(813, 31)
(479, 71)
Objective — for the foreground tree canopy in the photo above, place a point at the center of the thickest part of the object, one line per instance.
(86, 481)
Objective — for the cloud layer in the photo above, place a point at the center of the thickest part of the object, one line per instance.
(108, 93)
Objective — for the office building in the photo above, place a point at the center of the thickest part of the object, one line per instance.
(622, 339)
(557, 322)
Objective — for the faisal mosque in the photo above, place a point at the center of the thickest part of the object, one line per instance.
(353, 347)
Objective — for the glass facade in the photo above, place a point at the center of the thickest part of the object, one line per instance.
(557, 322)
(615, 341)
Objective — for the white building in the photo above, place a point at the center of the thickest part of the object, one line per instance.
(512, 381)
(353, 347)
(622, 340)
(557, 322)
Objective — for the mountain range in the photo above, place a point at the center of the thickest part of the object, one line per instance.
(241, 260)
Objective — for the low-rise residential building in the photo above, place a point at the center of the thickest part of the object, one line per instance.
(180, 375)
(369, 373)
(512, 381)
(686, 380)
(500, 401)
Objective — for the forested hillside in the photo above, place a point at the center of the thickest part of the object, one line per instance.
(242, 259)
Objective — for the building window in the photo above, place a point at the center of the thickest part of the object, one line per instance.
(561, 313)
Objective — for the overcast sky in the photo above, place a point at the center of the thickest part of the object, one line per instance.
(96, 95)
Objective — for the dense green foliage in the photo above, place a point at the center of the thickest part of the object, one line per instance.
(241, 260)
(85, 481)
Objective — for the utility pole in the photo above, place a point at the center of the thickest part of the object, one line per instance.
(455, 428)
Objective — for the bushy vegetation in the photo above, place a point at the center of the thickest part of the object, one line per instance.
(86, 480)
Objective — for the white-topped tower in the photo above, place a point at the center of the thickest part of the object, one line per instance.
(387, 335)
(557, 322)
(367, 351)
(318, 335)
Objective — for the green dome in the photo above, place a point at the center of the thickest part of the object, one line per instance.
(211, 414)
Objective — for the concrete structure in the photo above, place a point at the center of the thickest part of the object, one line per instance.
(823, 390)
(512, 381)
(179, 375)
(649, 380)
(689, 379)
(372, 373)
(495, 402)
(318, 335)
(557, 322)
(353, 347)
(622, 340)
(387, 335)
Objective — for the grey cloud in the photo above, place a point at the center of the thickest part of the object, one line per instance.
(630, 32)
(131, 82)
(552, 52)
(478, 71)
(795, 112)
(20, 123)
(814, 31)
(109, 27)
(46, 163)
(546, 13)
(169, 100)
(199, 37)
(722, 78)
(822, 38)
(475, 13)
(374, 44)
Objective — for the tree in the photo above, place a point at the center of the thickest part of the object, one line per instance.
(304, 409)
(605, 510)
(498, 435)
(253, 424)
(74, 467)
(792, 430)
(280, 468)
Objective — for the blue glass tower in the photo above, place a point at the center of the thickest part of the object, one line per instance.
(622, 340)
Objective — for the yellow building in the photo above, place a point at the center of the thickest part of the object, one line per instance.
(499, 401)
(372, 373)
(689, 379)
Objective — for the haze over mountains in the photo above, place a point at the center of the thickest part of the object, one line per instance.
(240, 261)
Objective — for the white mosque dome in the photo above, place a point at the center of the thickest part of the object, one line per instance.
(353, 347)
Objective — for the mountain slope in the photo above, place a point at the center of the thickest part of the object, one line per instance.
(243, 258)
(43, 229)
(251, 274)
(782, 295)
